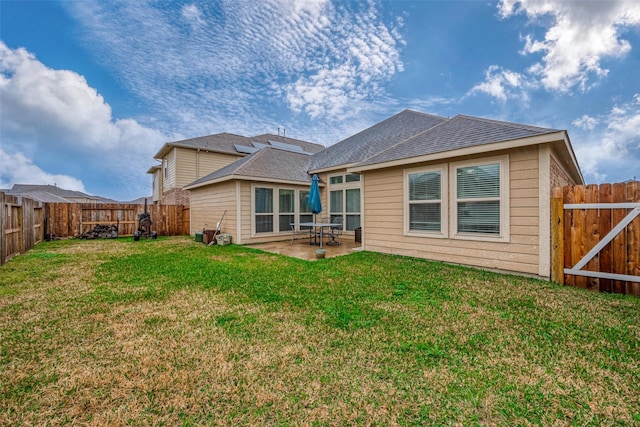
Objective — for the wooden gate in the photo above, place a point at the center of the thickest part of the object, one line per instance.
(596, 237)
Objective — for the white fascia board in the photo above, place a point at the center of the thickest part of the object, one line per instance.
(467, 151)
(332, 168)
(251, 179)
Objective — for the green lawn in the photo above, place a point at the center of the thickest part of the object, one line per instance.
(170, 331)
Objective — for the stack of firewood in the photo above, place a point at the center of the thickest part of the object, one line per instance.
(101, 231)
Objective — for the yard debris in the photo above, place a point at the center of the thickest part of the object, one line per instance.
(101, 231)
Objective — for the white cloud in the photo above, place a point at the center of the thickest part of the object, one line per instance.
(313, 57)
(503, 84)
(55, 126)
(585, 122)
(580, 35)
(192, 14)
(615, 147)
(18, 169)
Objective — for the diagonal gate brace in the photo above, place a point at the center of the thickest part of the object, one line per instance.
(576, 270)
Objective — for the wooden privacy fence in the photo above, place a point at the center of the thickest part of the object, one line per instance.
(21, 228)
(74, 219)
(596, 237)
(25, 222)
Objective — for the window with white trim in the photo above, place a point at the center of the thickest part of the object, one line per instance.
(426, 207)
(263, 206)
(480, 199)
(275, 208)
(344, 199)
(305, 214)
(286, 208)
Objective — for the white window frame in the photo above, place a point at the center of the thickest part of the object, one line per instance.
(276, 208)
(504, 235)
(344, 185)
(444, 202)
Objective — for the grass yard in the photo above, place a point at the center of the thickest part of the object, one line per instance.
(172, 332)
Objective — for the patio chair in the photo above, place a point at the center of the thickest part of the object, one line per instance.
(301, 232)
(335, 231)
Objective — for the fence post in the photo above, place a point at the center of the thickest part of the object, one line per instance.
(557, 236)
(3, 236)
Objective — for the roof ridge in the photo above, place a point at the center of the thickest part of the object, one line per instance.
(502, 122)
(411, 137)
(423, 113)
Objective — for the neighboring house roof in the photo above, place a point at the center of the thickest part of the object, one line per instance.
(267, 164)
(140, 200)
(309, 147)
(53, 194)
(221, 142)
(375, 139)
(52, 189)
(226, 143)
(40, 196)
(456, 133)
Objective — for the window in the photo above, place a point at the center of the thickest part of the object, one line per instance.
(165, 163)
(344, 200)
(286, 208)
(352, 199)
(276, 208)
(264, 210)
(425, 201)
(335, 204)
(480, 201)
(305, 211)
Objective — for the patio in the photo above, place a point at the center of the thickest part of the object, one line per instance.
(301, 248)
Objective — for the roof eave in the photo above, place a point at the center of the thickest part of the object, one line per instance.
(577, 173)
(466, 151)
(247, 178)
(168, 146)
(332, 168)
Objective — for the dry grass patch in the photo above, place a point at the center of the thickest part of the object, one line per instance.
(173, 332)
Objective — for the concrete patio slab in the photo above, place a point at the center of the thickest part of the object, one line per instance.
(301, 248)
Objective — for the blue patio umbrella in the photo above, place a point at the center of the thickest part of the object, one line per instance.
(313, 199)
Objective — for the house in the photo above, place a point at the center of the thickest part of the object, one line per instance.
(464, 190)
(182, 162)
(54, 194)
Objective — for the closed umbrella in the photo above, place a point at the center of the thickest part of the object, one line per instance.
(313, 199)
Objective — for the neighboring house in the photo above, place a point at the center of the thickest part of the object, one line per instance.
(54, 194)
(182, 162)
(463, 190)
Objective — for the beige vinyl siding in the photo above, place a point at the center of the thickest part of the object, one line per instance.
(383, 223)
(170, 181)
(193, 164)
(209, 203)
(157, 185)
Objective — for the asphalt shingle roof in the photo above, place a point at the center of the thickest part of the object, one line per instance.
(224, 143)
(405, 135)
(375, 139)
(52, 189)
(268, 163)
(456, 133)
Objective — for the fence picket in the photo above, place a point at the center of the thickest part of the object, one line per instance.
(606, 254)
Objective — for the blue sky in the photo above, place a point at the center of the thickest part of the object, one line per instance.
(89, 91)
